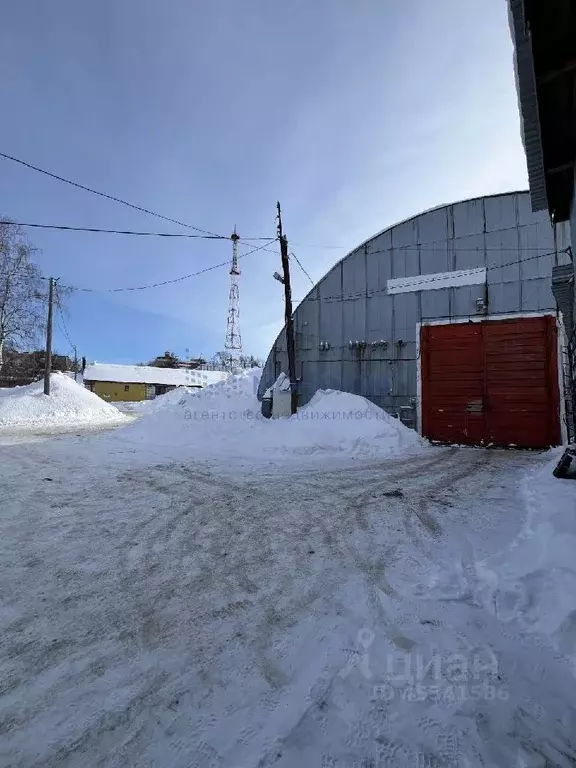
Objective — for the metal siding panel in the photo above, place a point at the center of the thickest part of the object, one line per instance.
(524, 209)
(496, 299)
(330, 285)
(535, 240)
(511, 297)
(537, 295)
(468, 218)
(377, 271)
(412, 262)
(464, 300)
(503, 257)
(331, 375)
(433, 226)
(306, 325)
(411, 371)
(435, 258)
(405, 316)
(379, 253)
(281, 342)
(354, 322)
(469, 252)
(435, 304)
(354, 273)
(350, 376)
(331, 318)
(405, 249)
(377, 382)
(405, 233)
(378, 313)
(500, 212)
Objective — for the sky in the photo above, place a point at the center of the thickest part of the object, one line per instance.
(355, 114)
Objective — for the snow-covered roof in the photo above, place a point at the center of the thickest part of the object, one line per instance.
(147, 374)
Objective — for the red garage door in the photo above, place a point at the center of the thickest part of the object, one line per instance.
(494, 381)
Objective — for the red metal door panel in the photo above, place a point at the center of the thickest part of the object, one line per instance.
(522, 405)
(491, 382)
(452, 383)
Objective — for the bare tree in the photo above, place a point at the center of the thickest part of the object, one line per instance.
(22, 291)
(222, 359)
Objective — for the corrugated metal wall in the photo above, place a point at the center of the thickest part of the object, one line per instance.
(351, 302)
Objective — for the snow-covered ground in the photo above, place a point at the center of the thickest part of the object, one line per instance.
(358, 600)
(68, 406)
(224, 422)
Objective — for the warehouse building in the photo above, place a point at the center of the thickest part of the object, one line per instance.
(446, 320)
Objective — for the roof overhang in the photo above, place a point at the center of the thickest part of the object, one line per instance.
(545, 39)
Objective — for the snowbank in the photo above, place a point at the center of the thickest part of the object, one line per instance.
(536, 579)
(225, 420)
(68, 405)
(531, 584)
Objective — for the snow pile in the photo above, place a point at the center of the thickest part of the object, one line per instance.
(236, 390)
(68, 405)
(536, 577)
(339, 422)
(531, 584)
(225, 420)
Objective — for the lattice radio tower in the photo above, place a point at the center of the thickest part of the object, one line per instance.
(233, 343)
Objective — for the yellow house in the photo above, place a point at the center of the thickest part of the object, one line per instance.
(131, 383)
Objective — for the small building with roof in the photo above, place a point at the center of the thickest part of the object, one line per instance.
(132, 383)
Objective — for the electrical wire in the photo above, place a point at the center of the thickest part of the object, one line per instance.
(64, 333)
(372, 291)
(166, 282)
(250, 240)
(302, 268)
(129, 232)
(114, 231)
(107, 196)
(64, 327)
(515, 227)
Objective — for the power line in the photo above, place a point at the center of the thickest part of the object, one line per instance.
(67, 228)
(64, 328)
(452, 239)
(372, 291)
(105, 195)
(302, 268)
(166, 282)
(249, 240)
(114, 231)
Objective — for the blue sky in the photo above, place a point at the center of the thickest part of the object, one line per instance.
(354, 113)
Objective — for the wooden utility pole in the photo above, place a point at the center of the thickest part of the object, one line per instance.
(75, 363)
(48, 355)
(290, 347)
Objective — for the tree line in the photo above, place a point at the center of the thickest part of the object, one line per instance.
(219, 360)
